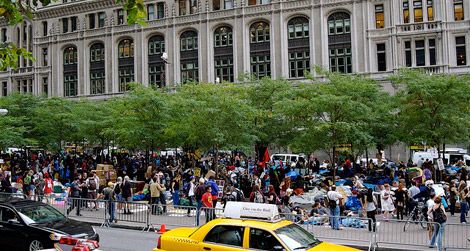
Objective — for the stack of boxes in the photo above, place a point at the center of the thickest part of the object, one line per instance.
(106, 173)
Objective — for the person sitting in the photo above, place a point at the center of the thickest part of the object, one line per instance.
(318, 214)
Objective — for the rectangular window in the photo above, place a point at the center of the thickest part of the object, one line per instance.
(418, 10)
(44, 57)
(251, 2)
(379, 16)
(228, 4)
(44, 28)
(4, 34)
(461, 51)
(126, 76)
(381, 58)
(150, 12)
(408, 62)
(120, 15)
(157, 75)
(406, 12)
(432, 51)
(182, 7)
(4, 88)
(97, 82)
(215, 4)
(74, 23)
(101, 19)
(458, 10)
(430, 10)
(340, 60)
(420, 53)
(91, 21)
(45, 86)
(70, 85)
(224, 69)
(299, 63)
(65, 25)
(261, 66)
(189, 72)
(193, 6)
(25, 86)
(160, 10)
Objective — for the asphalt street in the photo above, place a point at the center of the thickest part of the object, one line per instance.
(115, 239)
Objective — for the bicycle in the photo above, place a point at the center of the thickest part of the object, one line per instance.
(417, 215)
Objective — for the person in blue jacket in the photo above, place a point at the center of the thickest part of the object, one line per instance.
(215, 190)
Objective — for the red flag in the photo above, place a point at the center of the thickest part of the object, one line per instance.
(266, 157)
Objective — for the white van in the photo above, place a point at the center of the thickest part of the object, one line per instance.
(450, 157)
(286, 157)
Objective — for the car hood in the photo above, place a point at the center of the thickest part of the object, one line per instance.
(68, 227)
(325, 246)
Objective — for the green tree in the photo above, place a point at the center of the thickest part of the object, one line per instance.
(432, 108)
(334, 112)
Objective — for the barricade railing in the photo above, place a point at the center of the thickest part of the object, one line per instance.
(133, 212)
(353, 230)
(456, 236)
(169, 215)
(80, 208)
(392, 232)
(208, 214)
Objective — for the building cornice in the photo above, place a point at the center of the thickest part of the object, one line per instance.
(67, 9)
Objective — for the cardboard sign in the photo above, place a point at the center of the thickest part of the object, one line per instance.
(197, 172)
(440, 164)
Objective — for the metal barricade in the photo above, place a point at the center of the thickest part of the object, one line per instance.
(90, 209)
(456, 236)
(174, 216)
(353, 230)
(208, 214)
(392, 232)
(130, 212)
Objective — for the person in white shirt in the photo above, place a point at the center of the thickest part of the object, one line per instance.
(334, 199)
(191, 188)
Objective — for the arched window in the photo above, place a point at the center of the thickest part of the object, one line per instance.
(189, 56)
(126, 63)
(299, 46)
(97, 69)
(339, 42)
(70, 72)
(260, 49)
(223, 54)
(156, 64)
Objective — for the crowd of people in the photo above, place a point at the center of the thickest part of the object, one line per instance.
(183, 180)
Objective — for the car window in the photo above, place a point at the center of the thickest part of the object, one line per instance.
(7, 214)
(228, 235)
(41, 214)
(293, 158)
(262, 240)
(295, 237)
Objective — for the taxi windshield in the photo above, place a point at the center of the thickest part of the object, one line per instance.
(40, 214)
(296, 238)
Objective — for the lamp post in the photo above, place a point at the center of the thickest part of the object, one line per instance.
(3, 112)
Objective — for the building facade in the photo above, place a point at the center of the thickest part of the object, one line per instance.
(84, 48)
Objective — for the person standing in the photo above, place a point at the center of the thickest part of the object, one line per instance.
(453, 195)
(75, 191)
(208, 204)
(386, 201)
(272, 197)
(154, 195)
(48, 187)
(92, 184)
(200, 190)
(175, 190)
(162, 189)
(214, 191)
(191, 191)
(464, 194)
(439, 217)
(370, 206)
(110, 198)
(334, 199)
(127, 194)
(400, 196)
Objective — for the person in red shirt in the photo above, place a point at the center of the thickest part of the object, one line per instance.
(207, 204)
(48, 187)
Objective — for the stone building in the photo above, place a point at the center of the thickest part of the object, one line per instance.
(84, 48)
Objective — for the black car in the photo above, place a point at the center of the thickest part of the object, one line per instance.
(31, 225)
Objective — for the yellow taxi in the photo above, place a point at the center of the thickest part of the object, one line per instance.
(245, 226)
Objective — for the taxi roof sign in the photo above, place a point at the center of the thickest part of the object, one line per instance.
(248, 210)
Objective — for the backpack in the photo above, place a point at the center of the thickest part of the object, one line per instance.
(117, 189)
(240, 196)
(439, 215)
(91, 184)
(258, 197)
